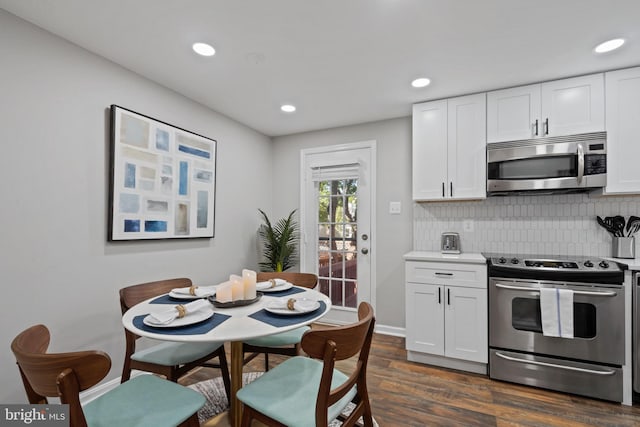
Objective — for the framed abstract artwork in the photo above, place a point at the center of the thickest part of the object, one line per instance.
(162, 180)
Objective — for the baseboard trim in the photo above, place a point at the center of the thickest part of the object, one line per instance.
(391, 330)
(95, 392)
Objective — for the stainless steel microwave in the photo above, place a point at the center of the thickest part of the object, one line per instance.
(571, 163)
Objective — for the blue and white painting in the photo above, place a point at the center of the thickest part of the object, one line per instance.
(163, 180)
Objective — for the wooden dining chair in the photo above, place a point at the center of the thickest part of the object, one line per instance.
(171, 359)
(308, 391)
(146, 400)
(285, 343)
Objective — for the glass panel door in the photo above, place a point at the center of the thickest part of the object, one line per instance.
(337, 209)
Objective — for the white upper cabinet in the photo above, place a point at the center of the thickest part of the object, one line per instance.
(623, 131)
(449, 149)
(561, 107)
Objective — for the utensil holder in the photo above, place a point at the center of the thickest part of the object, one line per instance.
(624, 247)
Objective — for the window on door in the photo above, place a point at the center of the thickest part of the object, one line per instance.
(337, 240)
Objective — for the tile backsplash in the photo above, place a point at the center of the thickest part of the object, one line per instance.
(545, 225)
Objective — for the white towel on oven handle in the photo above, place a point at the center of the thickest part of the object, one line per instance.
(556, 309)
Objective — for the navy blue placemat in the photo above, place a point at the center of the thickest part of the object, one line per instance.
(290, 291)
(279, 321)
(166, 299)
(196, 329)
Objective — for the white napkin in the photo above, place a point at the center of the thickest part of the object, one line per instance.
(556, 309)
(200, 291)
(301, 305)
(269, 284)
(167, 316)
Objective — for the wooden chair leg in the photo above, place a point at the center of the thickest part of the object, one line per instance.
(266, 362)
(224, 370)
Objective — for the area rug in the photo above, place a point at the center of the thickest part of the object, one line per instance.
(213, 391)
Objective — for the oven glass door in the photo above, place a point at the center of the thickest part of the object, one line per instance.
(515, 321)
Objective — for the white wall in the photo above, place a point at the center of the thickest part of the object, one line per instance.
(56, 267)
(393, 232)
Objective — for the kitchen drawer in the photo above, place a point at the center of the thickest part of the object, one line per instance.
(446, 273)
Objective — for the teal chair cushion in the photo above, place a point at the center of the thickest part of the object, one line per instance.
(288, 392)
(143, 401)
(173, 353)
(280, 340)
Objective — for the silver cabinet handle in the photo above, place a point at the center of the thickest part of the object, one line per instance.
(536, 127)
(553, 365)
(592, 293)
(546, 126)
(437, 273)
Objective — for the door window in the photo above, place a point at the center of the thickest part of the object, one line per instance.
(337, 241)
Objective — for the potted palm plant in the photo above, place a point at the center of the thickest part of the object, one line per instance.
(280, 243)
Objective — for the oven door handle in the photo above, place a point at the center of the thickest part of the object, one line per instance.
(553, 365)
(590, 293)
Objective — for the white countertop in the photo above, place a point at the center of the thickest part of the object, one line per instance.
(465, 257)
(632, 263)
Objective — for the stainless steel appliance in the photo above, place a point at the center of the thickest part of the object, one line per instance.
(450, 243)
(636, 334)
(557, 164)
(588, 364)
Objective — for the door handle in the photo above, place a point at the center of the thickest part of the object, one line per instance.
(553, 365)
(590, 293)
(580, 153)
(364, 251)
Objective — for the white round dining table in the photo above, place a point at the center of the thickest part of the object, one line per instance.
(239, 324)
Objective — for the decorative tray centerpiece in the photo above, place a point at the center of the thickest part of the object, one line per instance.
(232, 304)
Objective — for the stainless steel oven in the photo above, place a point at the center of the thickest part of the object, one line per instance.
(567, 163)
(589, 363)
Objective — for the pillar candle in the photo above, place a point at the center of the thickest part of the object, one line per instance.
(223, 292)
(249, 279)
(237, 287)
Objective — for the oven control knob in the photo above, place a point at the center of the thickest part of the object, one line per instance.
(514, 260)
(588, 264)
(604, 264)
(502, 260)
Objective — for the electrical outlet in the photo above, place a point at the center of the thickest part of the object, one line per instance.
(395, 208)
(467, 225)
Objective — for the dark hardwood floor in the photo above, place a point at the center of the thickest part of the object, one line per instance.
(411, 394)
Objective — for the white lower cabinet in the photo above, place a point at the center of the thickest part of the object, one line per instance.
(446, 314)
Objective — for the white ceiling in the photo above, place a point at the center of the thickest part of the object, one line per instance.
(341, 61)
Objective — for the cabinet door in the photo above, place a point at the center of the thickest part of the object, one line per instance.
(467, 147)
(573, 106)
(466, 324)
(425, 318)
(429, 150)
(623, 131)
(512, 113)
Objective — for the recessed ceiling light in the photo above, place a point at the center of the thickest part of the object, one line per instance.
(608, 46)
(288, 108)
(421, 82)
(203, 49)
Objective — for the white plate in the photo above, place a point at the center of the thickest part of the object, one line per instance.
(191, 318)
(278, 288)
(287, 312)
(189, 296)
